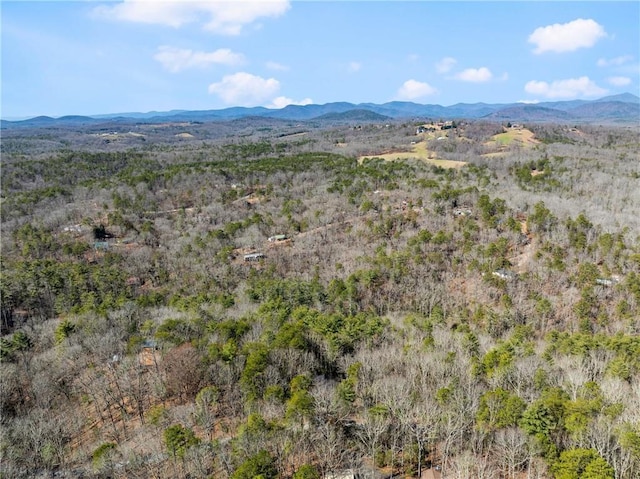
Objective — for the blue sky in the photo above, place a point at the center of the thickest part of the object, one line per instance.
(92, 57)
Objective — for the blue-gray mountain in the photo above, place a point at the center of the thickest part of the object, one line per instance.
(623, 108)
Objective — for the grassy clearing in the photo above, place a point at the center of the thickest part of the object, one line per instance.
(419, 152)
(506, 138)
(511, 138)
(517, 136)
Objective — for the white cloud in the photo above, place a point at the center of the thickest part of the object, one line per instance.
(412, 90)
(245, 89)
(476, 75)
(354, 67)
(566, 37)
(528, 102)
(173, 14)
(277, 66)
(570, 88)
(282, 101)
(445, 65)
(617, 61)
(227, 18)
(619, 81)
(177, 59)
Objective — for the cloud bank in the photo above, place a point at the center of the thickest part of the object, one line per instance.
(413, 89)
(225, 18)
(177, 59)
(475, 75)
(282, 101)
(245, 89)
(566, 37)
(570, 88)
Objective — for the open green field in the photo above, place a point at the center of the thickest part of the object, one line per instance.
(420, 152)
(509, 137)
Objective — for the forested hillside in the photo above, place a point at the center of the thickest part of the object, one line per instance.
(254, 299)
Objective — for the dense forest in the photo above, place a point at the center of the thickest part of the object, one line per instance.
(260, 298)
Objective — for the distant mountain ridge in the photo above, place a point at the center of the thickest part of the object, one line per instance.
(616, 108)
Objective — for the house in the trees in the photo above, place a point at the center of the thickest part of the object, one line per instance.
(462, 212)
(254, 256)
(505, 274)
(607, 281)
(276, 238)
